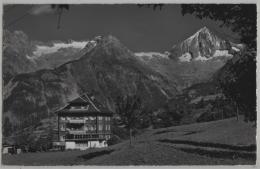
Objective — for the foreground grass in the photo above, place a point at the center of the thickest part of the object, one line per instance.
(225, 142)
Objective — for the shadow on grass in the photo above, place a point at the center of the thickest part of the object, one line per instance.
(164, 131)
(96, 154)
(171, 131)
(220, 154)
(250, 148)
(191, 132)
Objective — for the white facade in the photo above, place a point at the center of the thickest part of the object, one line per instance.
(9, 149)
(6, 150)
(71, 145)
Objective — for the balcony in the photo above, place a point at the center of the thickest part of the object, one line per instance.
(76, 121)
(76, 131)
(87, 137)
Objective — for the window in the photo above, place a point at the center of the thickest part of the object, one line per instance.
(62, 127)
(100, 127)
(107, 118)
(84, 107)
(92, 118)
(86, 128)
(99, 117)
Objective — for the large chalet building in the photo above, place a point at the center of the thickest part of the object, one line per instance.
(83, 123)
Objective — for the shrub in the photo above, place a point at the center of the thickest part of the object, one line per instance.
(113, 140)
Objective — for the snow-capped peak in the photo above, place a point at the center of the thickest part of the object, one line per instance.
(44, 49)
(195, 38)
(201, 46)
(186, 57)
(151, 55)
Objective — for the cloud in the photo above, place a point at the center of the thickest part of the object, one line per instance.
(41, 9)
(42, 49)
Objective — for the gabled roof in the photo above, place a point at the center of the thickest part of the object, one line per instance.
(92, 106)
(77, 100)
(87, 99)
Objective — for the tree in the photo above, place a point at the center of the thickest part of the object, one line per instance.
(238, 82)
(237, 78)
(59, 8)
(129, 108)
(154, 6)
(7, 127)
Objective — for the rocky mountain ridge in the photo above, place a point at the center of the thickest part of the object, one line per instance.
(22, 55)
(202, 46)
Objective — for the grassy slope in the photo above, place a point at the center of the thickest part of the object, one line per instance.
(149, 150)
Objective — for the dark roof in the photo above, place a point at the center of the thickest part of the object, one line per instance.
(77, 100)
(93, 106)
(82, 113)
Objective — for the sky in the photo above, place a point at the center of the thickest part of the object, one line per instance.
(140, 29)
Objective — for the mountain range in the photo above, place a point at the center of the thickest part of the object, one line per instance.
(40, 78)
(22, 55)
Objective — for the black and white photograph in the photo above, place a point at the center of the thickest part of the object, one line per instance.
(133, 84)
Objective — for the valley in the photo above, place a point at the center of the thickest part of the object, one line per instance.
(174, 88)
